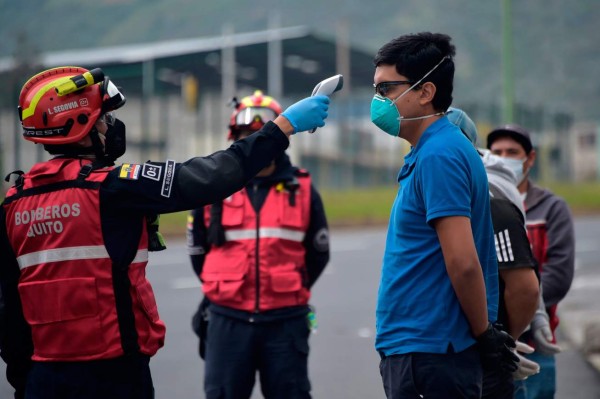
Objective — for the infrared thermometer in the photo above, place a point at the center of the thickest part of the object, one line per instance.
(327, 87)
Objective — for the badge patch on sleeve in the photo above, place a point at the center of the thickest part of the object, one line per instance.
(321, 240)
(168, 178)
(130, 171)
(151, 172)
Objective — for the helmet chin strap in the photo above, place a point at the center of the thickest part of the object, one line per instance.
(98, 148)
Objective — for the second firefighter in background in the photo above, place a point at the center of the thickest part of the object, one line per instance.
(257, 254)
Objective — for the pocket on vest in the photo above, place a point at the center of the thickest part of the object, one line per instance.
(292, 216)
(285, 282)
(233, 211)
(64, 316)
(223, 286)
(145, 296)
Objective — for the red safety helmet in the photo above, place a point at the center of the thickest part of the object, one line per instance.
(252, 112)
(61, 105)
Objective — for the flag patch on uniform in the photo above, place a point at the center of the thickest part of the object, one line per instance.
(130, 171)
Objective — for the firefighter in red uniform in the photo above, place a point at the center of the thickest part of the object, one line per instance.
(258, 253)
(75, 231)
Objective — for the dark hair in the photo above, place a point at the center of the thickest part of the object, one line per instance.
(416, 54)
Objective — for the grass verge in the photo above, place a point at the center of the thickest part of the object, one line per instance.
(371, 206)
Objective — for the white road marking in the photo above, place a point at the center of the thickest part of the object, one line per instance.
(182, 283)
(365, 332)
(583, 246)
(347, 247)
(588, 282)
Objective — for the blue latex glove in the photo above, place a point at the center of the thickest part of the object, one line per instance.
(308, 113)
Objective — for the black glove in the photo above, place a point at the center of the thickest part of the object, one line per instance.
(215, 233)
(200, 325)
(156, 241)
(495, 350)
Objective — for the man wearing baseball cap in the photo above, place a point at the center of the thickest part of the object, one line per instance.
(550, 231)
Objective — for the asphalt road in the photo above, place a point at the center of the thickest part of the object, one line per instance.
(343, 363)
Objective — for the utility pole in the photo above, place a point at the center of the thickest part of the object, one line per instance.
(228, 77)
(508, 89)
(147, 95)
(342, 64)
(228, 67)
(275, 55)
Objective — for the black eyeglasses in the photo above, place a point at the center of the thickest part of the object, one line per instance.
(383, 88)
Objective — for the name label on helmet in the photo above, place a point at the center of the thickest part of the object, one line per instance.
(58, 131)
(64, 107)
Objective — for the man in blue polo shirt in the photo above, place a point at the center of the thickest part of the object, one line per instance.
(439, 283)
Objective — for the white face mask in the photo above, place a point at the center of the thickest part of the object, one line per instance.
(516, 165)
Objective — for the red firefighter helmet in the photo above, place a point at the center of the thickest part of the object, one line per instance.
(252, 112)
(61, 105)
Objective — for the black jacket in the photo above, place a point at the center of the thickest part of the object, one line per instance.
(124, 201)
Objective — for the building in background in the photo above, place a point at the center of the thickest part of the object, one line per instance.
(181, 89)
(178, 92)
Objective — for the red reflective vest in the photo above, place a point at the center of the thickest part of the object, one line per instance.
(66, 281)
(261, 266)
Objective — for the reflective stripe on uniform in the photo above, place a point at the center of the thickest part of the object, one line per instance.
(71, 253)
(265, 232)
(140, 256)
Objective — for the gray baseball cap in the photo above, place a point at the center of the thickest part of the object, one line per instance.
(514, 131)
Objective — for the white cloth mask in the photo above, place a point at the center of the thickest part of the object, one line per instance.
(516, 165)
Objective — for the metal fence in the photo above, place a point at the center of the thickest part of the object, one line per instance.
(348, 152)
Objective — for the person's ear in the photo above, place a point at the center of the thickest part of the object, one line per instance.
(530, 159)
(428, 90)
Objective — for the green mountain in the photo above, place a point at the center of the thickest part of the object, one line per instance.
(555, 51)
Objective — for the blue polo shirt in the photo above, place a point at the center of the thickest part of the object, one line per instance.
(417, 308)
